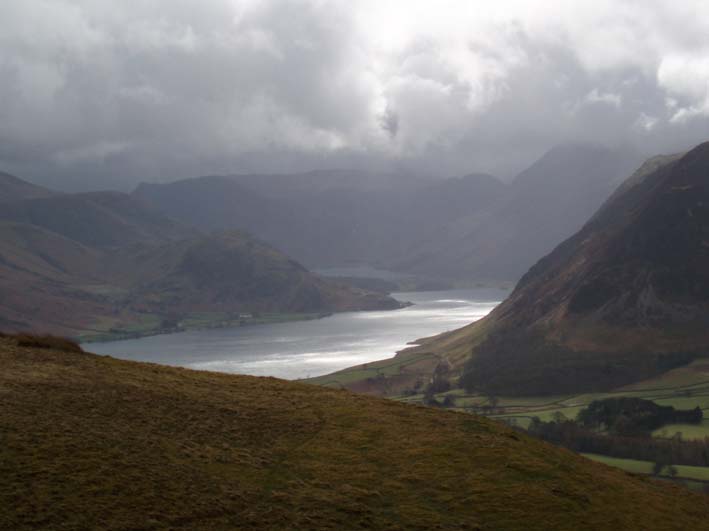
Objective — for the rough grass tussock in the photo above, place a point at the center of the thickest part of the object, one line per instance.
(44, 341)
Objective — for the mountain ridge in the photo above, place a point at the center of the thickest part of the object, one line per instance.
(465, 229)
(326, 219)
(544, 205)
(13, 188)
(99, 219)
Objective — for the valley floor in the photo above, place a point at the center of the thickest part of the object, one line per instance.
(683, 388)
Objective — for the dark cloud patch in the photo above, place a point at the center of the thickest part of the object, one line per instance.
(390, 122)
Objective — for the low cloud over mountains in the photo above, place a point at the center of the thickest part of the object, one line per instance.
(96, 92)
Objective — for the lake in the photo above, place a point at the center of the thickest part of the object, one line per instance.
(303, 349)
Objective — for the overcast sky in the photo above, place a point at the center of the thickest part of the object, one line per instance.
(106, 93)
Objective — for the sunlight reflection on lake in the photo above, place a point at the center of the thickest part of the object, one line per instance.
(311, 348)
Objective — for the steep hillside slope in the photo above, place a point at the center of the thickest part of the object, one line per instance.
(14, 189)
(93, 442)
(229, 271)
(624, 299)
(545, 204)
(42, 279)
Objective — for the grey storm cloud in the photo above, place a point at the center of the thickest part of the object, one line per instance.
(98, 93)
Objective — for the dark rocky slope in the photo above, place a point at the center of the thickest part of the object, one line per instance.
(625, 298)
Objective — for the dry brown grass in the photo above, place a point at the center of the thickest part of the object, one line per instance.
(91, 442)
(44, 341)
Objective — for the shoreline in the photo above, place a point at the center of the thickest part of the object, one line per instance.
(109, 337)
(216, 323)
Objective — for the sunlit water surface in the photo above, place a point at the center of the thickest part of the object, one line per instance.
(311, 348)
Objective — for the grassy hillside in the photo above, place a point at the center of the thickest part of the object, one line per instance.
(49, 282)
(230, 272)
(41, 274)
(93, 442)
(105, 265)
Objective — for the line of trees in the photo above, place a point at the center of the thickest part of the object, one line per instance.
(633, 416)
(663, 452)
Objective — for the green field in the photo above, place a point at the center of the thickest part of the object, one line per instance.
(688, 431)
(694, 476)
(683, 388)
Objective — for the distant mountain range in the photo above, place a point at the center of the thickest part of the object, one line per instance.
(97, 249)
(544, 204)
(465, 229)
(107, 263)
(326, 219)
